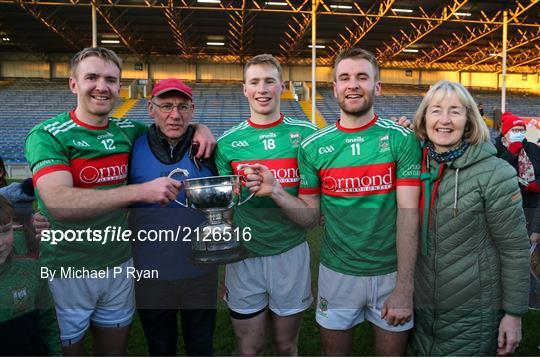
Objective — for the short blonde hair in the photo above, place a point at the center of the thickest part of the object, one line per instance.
(264, 59)
(100, 52)
(476, 130)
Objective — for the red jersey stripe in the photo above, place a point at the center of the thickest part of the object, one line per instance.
(408, 182)
(309, 191)
(48, 170)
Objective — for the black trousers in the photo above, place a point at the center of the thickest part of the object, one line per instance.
(159, 303)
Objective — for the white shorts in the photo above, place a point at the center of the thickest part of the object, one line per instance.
(107, 302)
(281, 282)
(345, 301)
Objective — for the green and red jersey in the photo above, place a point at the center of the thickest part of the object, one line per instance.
(275, 146)
(27, 309)
(356, 172)
(97, 158)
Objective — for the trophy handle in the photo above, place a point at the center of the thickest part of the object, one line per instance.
(185, 173)
(247, 199)
(240, 167)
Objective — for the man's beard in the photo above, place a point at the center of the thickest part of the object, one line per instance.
(360, 111)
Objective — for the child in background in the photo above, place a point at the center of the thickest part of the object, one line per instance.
(28, 326)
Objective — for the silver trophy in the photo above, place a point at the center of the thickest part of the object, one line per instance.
(216, 241)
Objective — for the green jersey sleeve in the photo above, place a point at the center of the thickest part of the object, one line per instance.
(309, 175)
(43, 150)
(140, 129)
(409, 159)
(223, 165)
(133, 129)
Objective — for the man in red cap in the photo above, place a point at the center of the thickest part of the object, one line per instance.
(524, 156)
(79, 160)
(180, 286)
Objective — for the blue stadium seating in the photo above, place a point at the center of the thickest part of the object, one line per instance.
(27, 102)
(397, 100)
(391, 103)
(219, 106)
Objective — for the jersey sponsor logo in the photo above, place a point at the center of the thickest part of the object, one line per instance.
(355, 140)
(239, 144)
(285, 170)
(105, 136)
(327, 149)
(80, 143)
(109, 170)
(358, 181)
(271, 135)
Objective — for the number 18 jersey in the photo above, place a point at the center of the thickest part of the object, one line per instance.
(275, 146)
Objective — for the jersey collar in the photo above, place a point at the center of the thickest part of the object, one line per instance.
(358, 129)
(85, 125)
(269, 125)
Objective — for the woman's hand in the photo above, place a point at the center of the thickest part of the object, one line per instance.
(509, 334)
(403, 121)
(534, 238)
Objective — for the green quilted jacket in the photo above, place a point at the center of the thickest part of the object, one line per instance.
(477, 264)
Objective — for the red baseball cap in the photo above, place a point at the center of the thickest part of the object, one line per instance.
(172, 84)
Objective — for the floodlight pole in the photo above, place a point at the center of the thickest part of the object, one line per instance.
(94, 26)
(504, 45)
(314, 4)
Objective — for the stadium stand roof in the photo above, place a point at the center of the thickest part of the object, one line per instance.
(456, 35)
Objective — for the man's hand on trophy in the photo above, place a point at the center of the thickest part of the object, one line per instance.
(260, 180)
(161, 191)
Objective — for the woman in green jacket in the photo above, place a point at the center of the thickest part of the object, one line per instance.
(471, 282)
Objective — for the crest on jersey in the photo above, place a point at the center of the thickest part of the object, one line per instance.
(295, 138)
(20, 296)
(384, 146)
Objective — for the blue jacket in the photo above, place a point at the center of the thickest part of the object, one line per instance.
(152, 157)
